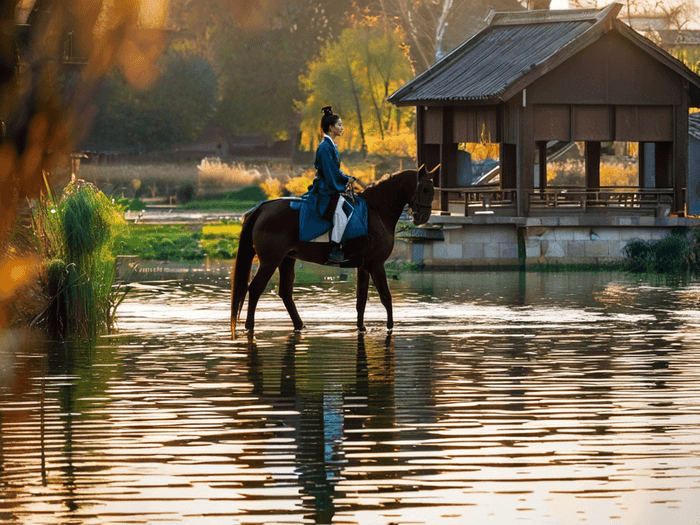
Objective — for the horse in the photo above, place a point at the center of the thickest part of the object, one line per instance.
(271, 231)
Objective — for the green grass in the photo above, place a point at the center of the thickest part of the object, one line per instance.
(220, 205)
(179, 243)
(237, 201)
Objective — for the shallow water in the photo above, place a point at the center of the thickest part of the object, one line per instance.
(498, 398)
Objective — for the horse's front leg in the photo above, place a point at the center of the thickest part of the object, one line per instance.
(382, 286)
(286, 291)
(362, 290)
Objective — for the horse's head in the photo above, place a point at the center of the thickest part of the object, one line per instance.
(421, 203)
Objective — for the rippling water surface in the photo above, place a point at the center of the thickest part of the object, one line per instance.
(499, 398)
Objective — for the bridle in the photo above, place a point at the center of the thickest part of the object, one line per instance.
(423, 197)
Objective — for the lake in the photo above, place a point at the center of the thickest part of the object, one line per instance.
(547, 398)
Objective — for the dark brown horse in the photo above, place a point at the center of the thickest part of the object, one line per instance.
(271, 231)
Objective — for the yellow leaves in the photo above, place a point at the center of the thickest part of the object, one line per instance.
(272, 187)
(354, 73)
(230, 230)
(619, 175)
(571, 173)
(299, 185)
(14, 274)
(139, 54)
(481, 151)
(402, 144)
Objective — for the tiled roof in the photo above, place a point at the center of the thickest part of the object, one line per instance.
(512, 51)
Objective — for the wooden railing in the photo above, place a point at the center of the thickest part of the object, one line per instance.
(629, 200)
(612, 200)
(471, 201)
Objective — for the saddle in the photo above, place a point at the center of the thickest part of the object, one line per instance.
(312, 225)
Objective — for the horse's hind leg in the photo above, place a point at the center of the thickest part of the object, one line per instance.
(255, 290)
(286, 291)
(362, 291)
(380, 283)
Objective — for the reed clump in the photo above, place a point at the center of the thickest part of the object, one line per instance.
(76, 233)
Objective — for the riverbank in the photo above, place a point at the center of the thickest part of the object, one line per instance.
(487, 241)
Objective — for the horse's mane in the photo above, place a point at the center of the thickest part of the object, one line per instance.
(377, 189)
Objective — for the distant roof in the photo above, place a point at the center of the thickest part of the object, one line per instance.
(694, 125)
(514, 50)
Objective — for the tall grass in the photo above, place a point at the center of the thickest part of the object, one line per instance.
(214, 174)
(76, 233)
(176, 173)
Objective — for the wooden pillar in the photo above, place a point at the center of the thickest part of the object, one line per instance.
(526, 158)
(420, 153)
(428, 151)
(642, 165)
(509, 166)
(592, 165)
(542, 157)
(448, 157)
(663, 156)
(680, 155)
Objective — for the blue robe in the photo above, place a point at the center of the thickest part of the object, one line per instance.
(330, 180)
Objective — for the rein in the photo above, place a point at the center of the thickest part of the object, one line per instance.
(419, 201)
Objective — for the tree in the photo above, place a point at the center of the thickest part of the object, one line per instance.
(171, 112)
(355, 73)
(258, 59)
(434, 27)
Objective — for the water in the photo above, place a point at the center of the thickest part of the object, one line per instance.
(499, 398)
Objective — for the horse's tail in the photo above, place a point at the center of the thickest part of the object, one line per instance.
(240, 275)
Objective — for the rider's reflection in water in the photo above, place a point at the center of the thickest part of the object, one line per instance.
(319, 428)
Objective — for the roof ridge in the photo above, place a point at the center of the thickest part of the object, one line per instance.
(541, 16)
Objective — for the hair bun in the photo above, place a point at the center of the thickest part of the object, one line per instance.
(328, 110)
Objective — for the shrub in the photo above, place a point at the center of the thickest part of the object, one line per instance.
(185, 193)
(127, 204)
(669, 255)
(76, 234)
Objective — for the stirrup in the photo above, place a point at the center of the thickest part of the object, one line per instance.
(336, 256)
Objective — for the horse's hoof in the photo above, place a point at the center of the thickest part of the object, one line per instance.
(362, 329)
(300, 328)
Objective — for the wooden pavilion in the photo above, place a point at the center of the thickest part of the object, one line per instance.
(533, 77)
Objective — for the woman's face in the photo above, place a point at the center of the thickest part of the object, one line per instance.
(337, 128)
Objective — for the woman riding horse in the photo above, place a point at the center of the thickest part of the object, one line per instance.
(330, 182)
(271, 232)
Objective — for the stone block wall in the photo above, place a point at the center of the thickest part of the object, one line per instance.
(494, 242)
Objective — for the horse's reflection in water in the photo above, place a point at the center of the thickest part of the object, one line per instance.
(321, 403)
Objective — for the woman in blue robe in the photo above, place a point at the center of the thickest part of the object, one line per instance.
(330, 181)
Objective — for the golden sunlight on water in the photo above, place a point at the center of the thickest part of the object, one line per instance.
(498, 398)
